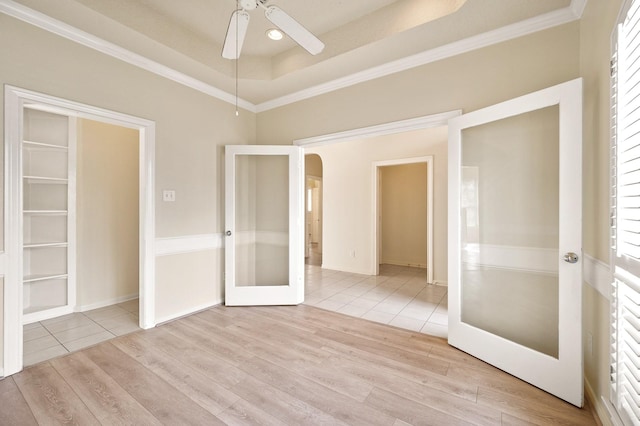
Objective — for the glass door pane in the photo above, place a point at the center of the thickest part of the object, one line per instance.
(510, 230)
(264, 217)
(262, 220)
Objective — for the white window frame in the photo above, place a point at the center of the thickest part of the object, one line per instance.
(625, 300)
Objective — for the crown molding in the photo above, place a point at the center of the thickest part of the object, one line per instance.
(549, 20)
(418, 123)
(570, 13)
(47, 23)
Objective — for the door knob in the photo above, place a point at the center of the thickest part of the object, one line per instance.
(571, 258)
(228, 233)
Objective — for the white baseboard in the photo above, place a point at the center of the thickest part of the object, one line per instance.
(603, 409)
(401, 263)
(187, 312)
(595, 403)
(104, 303)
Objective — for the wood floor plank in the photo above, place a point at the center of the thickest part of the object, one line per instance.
(453, 355)
(460, 388)
(296, 362)
(108, 402)
(497, 380)
(410, 358)
(534, 412)
(210, 395)
(509, 420)
(185, 351)
(51, 399)
(246, 414)
(343, 408)
(458, 407)
(14, 409)
(463, 408)
(281, 405)
(224, 345)
(392, 336)
(414, 414)
(274, 366)
(161, 399)
(310, 342)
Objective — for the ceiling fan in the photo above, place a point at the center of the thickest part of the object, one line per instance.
(240, 22)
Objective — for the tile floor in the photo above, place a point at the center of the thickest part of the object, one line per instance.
(399, 296)
(51, 338)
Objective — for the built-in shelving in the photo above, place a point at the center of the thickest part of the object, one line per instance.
(48, 186)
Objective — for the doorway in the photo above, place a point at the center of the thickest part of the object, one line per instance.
(16, 100)
(403, 204)
(313, 209)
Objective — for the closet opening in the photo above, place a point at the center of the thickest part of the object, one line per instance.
(403, 213)
(78, 227)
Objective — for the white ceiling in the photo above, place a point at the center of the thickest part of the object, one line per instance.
(362, 37)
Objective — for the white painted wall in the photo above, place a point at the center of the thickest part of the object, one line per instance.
(107, 213)
(348, 194)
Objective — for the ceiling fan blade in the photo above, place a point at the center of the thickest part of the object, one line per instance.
(294, 29)
(235, 34)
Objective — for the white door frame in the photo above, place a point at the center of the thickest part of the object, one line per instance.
(15, 99)
(375, 209)
(293, 292)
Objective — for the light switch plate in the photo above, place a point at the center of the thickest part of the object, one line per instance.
(168, 195)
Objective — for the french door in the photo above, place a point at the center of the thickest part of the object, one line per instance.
(264, 218)
(515, 237)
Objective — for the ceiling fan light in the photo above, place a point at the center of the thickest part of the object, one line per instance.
(294, 29)
(274, 34)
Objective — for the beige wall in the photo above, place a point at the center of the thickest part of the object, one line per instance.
(596, 27)
(313, 165)
(191, 129)
(107, 213)
(469, 81)
(403, 205)
(348, 196)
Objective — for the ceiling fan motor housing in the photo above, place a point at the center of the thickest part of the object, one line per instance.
(249, 4)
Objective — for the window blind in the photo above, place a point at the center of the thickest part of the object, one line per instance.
(625, 215)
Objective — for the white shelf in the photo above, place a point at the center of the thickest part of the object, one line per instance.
(45, 179)
(48, 202)
(42, 277)
(41, 145)
(40, 245)
(46, 212)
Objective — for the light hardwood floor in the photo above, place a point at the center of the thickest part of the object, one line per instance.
(275, 366)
